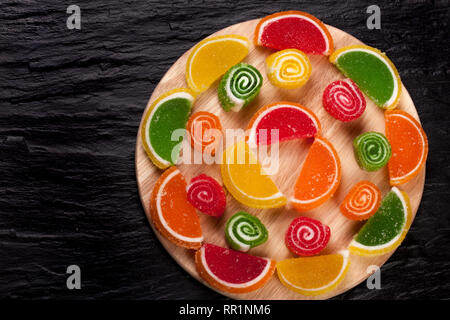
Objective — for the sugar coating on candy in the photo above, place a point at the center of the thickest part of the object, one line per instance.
(372, 150)
(207, 195)
(244, 231)
(205, 131)
(212, 57)
(282, 121)
(409, 146)
(232, 271)
(172, 215)
(306, 236)
(319, 176)
(288, 68)
(372, 71)
(294, 29)
(239, 86)
(246, 180)
(362, 201)
(313, 276)
(166, 114)
(343, 100)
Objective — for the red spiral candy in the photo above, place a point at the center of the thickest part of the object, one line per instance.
(207, 195)
(343, 100)
(306, 236)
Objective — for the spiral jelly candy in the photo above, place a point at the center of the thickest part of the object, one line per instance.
(239, 86)
(244, 231)
(207, 195)
(362, 201)
(372, 150)
(306, 236)
(343, 100)
(288, 68)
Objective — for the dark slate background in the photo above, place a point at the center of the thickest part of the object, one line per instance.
(70, 105)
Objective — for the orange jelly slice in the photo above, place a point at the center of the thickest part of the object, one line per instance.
(171, 213)
(319, 177)
(409, 146)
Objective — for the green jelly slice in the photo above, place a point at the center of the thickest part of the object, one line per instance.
(170, 116)
(385, 224)
(370, 73)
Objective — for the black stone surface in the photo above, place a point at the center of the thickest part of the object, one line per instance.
(70, 105)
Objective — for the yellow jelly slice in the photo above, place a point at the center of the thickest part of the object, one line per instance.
(314, 275)
(212, 57)
(245, 179)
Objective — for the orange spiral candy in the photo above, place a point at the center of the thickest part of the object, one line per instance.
(362, 201)
(204, 128)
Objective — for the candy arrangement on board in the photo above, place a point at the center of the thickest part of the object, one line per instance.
(217, 62)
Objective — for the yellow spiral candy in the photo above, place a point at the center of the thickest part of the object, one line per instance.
(288, 68)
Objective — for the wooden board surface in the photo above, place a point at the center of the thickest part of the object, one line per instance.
(292, 154)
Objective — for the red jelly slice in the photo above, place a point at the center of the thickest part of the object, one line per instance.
(291, 120)
(207, 195)
(294, 30)
(231, 270)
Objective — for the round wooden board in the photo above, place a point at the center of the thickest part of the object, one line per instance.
(292, 154)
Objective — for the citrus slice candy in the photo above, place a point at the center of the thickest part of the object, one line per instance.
(387, 228)
(288, 68)
(290, 120)
(244, 231)
(239, 86)
(306, 236)
(372, 150)
(172, 215)
(312, 276)
(319, 176)
(212, 57)
(244, 178)
(204, 130)
(372, 71)
(409, 146)
(232, 271)
(166, 114)
(207, 195)
(294, 29)
(362, 201)
(343, 100)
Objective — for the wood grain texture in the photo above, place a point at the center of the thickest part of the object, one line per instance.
(291, 156)
(70, 106)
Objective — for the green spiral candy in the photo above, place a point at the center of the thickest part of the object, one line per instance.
(244, 231)
(372, 150)
(239, 86)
